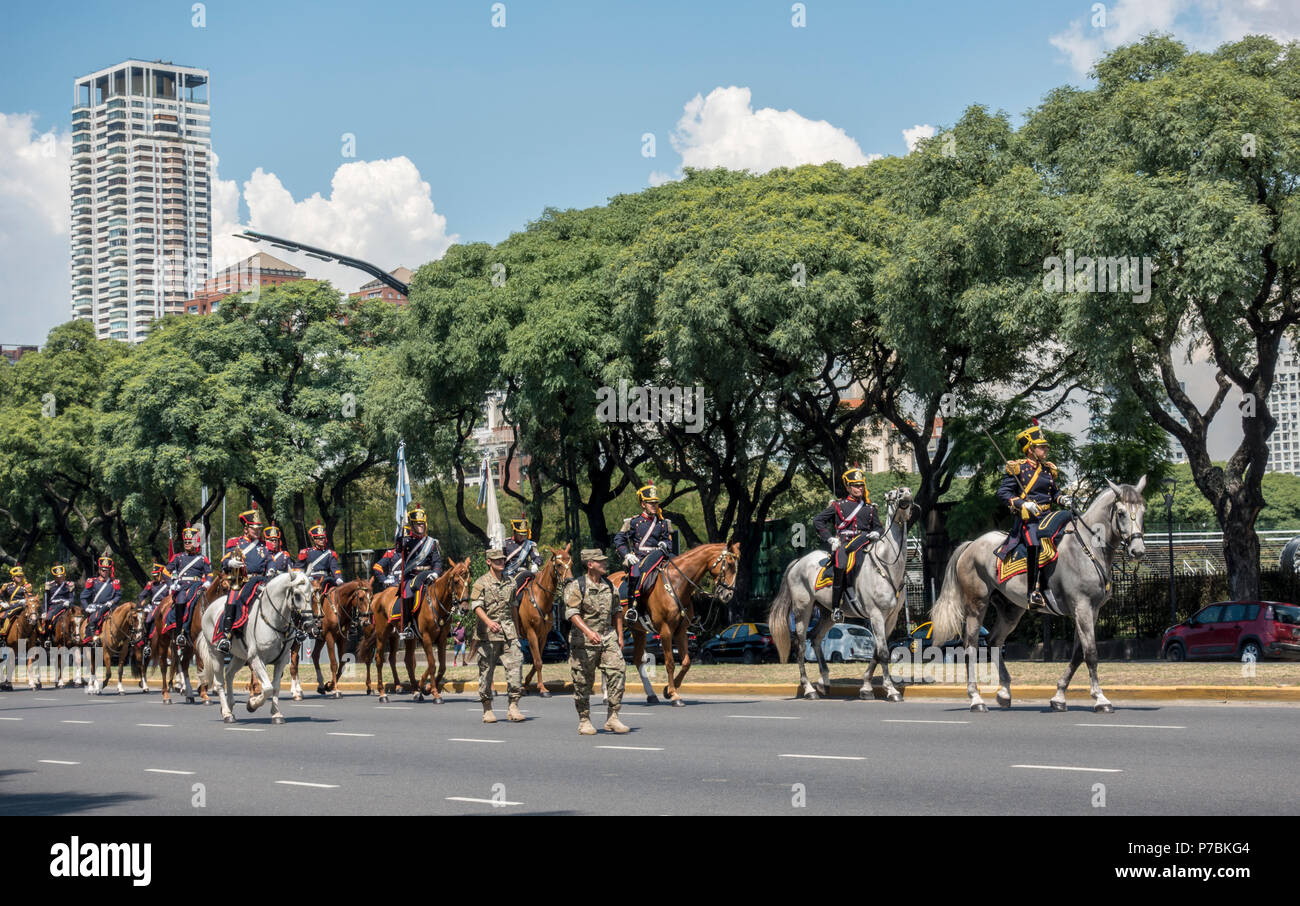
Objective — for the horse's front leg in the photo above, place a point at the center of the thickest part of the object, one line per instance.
(274, 685)
(879, 656)
(639, 657)
(666, 633)
(258, 668)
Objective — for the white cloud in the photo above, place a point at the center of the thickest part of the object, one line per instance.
(35, 217)
(1201, 24)
(380, 211)
(724, 130)
(915, 134)
(658, 178)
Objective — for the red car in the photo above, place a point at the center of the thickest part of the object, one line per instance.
(1236, 629)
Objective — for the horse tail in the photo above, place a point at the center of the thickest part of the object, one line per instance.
(948, 613)
(778, 615)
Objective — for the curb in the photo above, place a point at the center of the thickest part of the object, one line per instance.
(928, 691)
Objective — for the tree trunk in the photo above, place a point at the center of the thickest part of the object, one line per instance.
(1240, 546)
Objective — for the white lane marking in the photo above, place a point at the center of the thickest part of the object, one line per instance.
(351, 734)
(153, 725)
(827, 757)
(1062, 767)
(634, 748)
(303, 705)
(10, 718)
(483, 801)
(760, 717)
(466, 739)
(392, 707)
(1137, 726)
(76, 721)
(52, 761)
(319, 786)
(166, 771)
(480, 710)
(900, 720)
(38, 699)
(247, 729)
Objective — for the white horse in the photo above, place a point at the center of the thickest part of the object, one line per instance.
(282, 605)
(881, 587)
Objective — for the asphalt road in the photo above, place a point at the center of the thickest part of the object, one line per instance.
(67, 753)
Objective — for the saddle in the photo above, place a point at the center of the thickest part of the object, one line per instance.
(647, 580)
(1013, 555)
(826, 573)
(7, 618)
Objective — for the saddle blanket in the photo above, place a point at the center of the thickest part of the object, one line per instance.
(826, 575)
(1013, 556)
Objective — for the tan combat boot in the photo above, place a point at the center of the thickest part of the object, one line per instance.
(584, 726)
(614, 725)
(514, 713)
(488, 716)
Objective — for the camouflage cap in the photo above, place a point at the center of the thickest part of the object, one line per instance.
(593, 553)
(496, 554)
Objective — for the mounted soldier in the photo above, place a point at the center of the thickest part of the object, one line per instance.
(102, 593)
(522, 557)
(421, 566)
(188, 573)
(850, 525)
(1030, 491)
(153, 593)
(15, 592)
(60, 592)
(387, 570)
(320, 562)
(248, 549)
(643, 542)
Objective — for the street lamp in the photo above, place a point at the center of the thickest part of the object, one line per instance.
(1170, 485)
(290, 245)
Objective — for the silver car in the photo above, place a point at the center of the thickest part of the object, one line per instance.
(844, 642)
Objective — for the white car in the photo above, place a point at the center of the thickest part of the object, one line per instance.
(844, 642)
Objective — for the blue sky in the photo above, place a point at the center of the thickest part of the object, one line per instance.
(548, 111)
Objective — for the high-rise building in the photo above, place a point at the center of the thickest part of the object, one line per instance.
(1284, 405)
(141, 194)
(1176, 452)
(253, 272)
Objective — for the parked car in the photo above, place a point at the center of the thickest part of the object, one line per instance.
(844, 642)
(654, 645)
(919, 638)
(1249, 630)
(747, 642)
(556, 649)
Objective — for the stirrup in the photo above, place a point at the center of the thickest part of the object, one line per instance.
(408, 632)
(837, 616)
(1036, 599)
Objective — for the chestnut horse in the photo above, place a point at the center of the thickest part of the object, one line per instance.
(432, 624)
(119, 632)
(537, 609)
(175, 659)
(24, 626)
(381, 639)
(65, 635)
(341, 607)
(671, 608)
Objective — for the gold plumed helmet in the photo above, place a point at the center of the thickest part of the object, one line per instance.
(648, 494)
(1031, 437)
(271, 533)
(316, 532)
(519, 525)
(157, 570)
(190, 533)
(415, 516)
(15, 573)
(250, 517)
(57, 571)
(856, 477)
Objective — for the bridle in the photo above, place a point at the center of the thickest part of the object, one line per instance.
(567, 563)
(1113, 545)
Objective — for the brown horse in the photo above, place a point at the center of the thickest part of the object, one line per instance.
(175, 659)
(341, 607)
(64, 635)
(537, 609)
(381, 640)
(433, 623)
(24, 627)
(117, 639)
(671, 608)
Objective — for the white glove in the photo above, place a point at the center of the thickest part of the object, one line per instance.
(338, 581)
(630, 560)
(665, 546)
(1031, 508)
(873, 536)
(835, 544)
(1065, 501)
(532, 568)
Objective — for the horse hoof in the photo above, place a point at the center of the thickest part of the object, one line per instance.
(189, 699)
(1058, 706)
(417, 697)
(652, 699)
(812, 696)
(678, 703)
(544, 694)
(321, 689)
(1004, 704)
(167, 701)
(980, 708)
(336, 694)
(895, 697)
(277, 719)
(383, 698)
(1107, 708)
(229, 719)
(297, 696)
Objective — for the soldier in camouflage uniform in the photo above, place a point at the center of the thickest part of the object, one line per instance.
(595, 640)
(492, 598)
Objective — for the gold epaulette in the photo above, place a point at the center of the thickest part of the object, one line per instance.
(1051, 467)
(1013, 466)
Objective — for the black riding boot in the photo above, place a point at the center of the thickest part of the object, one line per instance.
(1031, 578)
(227, 625)
(837, 595)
